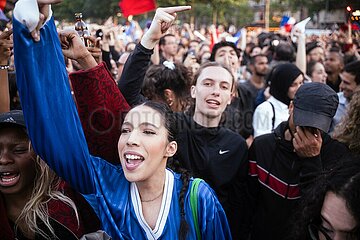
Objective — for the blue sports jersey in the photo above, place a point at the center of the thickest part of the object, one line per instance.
(57, 136)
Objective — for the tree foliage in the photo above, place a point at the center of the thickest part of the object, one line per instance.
(204, 12)
(314, 6)
(92, 9)
(236, 12)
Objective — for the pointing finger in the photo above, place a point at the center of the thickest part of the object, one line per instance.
(176, 9)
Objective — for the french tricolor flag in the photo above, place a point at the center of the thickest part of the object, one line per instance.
(287, 23)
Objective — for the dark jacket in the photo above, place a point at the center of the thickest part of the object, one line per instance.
(278, 177)
(238, 115)
(219, 156)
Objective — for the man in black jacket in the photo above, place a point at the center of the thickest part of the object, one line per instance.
(284, 163)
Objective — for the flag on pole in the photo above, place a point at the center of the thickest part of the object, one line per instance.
(136, 7)
(287, 23)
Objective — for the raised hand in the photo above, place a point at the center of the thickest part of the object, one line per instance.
(6, 44)
(95, 48)
(73, 48)
(162, 21)
(44, 11)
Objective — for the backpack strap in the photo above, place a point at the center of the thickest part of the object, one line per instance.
(273, 118)
(193, 205)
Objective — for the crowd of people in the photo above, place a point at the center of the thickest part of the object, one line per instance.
(175, 133)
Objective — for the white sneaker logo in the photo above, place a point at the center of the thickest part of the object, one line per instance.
(221, 152)
(9, 120)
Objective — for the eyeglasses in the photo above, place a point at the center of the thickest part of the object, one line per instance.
(318, 232)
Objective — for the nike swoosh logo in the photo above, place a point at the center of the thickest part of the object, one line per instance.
(221, 152)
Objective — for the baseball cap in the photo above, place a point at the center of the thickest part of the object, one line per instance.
(315, 105)
(15, 117)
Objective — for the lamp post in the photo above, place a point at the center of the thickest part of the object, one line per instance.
(349, 10)
(267, 14)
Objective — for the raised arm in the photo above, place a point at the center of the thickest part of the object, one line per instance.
(101, 106)
(101, 114)
(49, 110)
(138, 62)
(301, 52)
(5, 45)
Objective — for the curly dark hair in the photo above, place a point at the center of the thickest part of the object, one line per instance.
(344, 181)
(158, 78)
(348, 131)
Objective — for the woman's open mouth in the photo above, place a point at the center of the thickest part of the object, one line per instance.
(132, 161)
(8, 179)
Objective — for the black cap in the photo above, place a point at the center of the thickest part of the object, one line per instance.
(315, 105)
(312, 45)
(15, 117)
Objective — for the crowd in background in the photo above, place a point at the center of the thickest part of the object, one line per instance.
(268, 120)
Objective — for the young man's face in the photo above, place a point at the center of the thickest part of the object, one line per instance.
(212, 92)
(170, 46)
(260, 66)
(348, 84)
(333, 63)
(227, 55)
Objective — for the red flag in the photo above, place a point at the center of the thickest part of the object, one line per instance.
(135, 7)
(2, 4)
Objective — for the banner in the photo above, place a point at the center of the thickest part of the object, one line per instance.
(136, 7)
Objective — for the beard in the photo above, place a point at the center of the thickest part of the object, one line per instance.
(260, 74)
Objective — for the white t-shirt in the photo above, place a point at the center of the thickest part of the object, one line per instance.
(263, 115)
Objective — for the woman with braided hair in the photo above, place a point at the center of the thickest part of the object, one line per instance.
(141, 199)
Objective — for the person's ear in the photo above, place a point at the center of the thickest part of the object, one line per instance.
(193, 91)
(169, 96)
(291, 107)
(171, 149)
(232, 95)
(252, 68)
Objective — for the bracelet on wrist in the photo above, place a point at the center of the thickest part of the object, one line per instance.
(4, 67)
